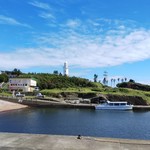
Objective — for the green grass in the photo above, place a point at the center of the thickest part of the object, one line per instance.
(5, 94)
(106, 90)
(68, 90)
(128, 92)
(99, 90)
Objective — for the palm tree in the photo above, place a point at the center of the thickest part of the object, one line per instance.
(95, 77)
(125, 79)
(104, 81)
(111, 81)
(122, 80)
(118, 80)
(114, 82)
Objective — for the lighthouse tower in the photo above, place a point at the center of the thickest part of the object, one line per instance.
(66, 70)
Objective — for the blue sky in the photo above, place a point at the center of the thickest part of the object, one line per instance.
(93, 36)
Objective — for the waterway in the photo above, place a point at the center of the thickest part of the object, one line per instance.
(87, 122)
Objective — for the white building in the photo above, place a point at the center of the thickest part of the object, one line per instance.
(22, 84)
(66, 70)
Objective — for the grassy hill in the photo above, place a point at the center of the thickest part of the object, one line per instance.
(51, 81)
(115, 94)
(134, 85)
(59, 86)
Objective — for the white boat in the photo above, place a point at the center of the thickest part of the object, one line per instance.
(114, 106)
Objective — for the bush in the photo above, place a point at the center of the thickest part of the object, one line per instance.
(51, 81)
(96, 89)
(133, 85)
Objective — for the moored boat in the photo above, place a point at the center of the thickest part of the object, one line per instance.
(114, 106)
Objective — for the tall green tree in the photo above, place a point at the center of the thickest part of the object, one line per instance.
(3, 78)
(16, 72)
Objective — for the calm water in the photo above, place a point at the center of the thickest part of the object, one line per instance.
(115, 124)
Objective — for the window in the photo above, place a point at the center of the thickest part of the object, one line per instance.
(116, 104)
(123, 104)
(111, 104)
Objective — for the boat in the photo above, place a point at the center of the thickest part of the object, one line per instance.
(120, 105)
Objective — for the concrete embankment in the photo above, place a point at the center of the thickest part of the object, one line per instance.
(41, 103)
(45, 103)
(141, 108)
(15, 141)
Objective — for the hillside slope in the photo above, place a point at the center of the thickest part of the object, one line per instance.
(51, 81)
(133, 85)
(61, 86)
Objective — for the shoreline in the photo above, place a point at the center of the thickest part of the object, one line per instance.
(9, 106)
(56, 142)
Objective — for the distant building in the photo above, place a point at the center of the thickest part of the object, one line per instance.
(22, 84)
(66, 70)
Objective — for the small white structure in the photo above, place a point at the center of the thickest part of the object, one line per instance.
(66, 70)
(39, 95)
(22, 84)
(20, 95)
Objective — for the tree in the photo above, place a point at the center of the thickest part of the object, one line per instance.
(122, 80)
(3, 78)
(55, 72)
(16, 72)
(125, 79)
(111, 81)
(131, 80)
(105, 81)
(95, 77)
(118, 80)
(114, 81)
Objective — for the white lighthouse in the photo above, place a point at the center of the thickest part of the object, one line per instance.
(66, 70)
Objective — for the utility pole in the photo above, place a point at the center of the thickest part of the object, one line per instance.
(105, 80)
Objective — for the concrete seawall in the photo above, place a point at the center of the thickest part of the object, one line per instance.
(52, 104)
(15, 141)
(44, 103)
(141, 108)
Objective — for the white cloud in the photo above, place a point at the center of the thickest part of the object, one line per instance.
(11, 21)
(83, 49)
(73, 23)
(47, 15)
(24, 58)
(47, 11)
(40, 5)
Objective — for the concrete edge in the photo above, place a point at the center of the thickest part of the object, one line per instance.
(98, 139)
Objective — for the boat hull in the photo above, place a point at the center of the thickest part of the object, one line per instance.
(101, 107)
